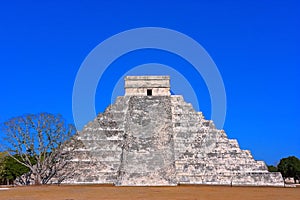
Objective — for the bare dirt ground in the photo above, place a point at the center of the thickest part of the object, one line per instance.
(84, 192)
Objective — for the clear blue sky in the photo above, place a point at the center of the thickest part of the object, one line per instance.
(255, 45)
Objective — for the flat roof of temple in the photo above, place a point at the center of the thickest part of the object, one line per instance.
(147, 82)
(147, 78)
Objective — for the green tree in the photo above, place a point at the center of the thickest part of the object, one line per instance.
(272, 168)
(11, 169)
(2, 166)
(290, 167)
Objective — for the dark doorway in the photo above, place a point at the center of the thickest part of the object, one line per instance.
(149, 92)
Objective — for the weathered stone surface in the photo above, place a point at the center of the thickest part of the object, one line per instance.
(162, 140)
(148, 149)
(139, 85)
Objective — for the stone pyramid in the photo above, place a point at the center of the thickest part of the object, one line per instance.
(149, 137)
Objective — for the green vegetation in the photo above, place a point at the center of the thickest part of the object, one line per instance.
(289, 168)
(272, 168)
(11, 169)
(2, 168)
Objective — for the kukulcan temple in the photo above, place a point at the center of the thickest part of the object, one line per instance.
(149, 137)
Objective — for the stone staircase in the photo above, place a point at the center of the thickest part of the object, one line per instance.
(162, 140)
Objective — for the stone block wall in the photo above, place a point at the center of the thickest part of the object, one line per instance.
(162, 140)
(139, 85)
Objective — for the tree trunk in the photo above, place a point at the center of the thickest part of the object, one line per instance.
(38, 180)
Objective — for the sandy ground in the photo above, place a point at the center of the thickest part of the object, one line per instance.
(85, 192)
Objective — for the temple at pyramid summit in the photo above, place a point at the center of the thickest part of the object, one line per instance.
(149, 137)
